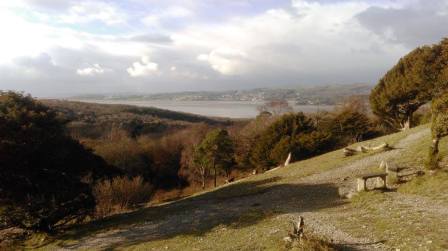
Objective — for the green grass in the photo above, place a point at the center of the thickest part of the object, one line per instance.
(399, 227)
(403, 228)
(363, 199)
(434, 186)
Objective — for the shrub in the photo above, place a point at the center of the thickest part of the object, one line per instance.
(126, 154)
(164, 155)
(120, 194)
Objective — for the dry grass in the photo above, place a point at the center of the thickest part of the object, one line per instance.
(434, 186)
(120, 195)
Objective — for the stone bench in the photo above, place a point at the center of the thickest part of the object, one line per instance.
(362, 180)
(401, 173)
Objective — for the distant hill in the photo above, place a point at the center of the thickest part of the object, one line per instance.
(324, 95)
(331, 94)
(92, 120)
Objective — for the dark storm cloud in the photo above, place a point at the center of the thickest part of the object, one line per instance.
(152, 38)
(425, 22)
(42, 62)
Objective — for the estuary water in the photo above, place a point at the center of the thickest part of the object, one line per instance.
(227, 109)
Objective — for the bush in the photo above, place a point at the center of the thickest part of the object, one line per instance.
(124, 153)
(120, 194)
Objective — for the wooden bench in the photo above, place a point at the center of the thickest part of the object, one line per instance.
(362, 180)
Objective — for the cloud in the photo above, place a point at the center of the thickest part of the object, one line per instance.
(222, 44)
(412, 25)
(37, 66)
(227, 61)
(176, 11)
(143, 68)
(160, 17)
(90, 71)
(308, 43)
(49, 5)
(89, 11)
(152, 38)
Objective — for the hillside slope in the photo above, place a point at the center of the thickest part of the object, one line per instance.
(92, 120)
(255, 213)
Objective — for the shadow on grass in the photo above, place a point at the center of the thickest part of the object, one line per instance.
(235, 206)
(355, 246)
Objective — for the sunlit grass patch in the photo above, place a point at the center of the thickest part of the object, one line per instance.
(431, 185)
(267, 234)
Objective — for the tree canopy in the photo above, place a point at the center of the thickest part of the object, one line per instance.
(44, 174)
(419, 77)
(412, 82)
(439, 128)
(215, 152)
(292, 133)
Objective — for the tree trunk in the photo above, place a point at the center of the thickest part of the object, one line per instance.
(433, 159)
(203, 178)
(406, 125)
(214, 169)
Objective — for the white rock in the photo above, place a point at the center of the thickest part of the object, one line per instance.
(287, 239)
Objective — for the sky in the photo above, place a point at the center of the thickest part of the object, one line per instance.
(52, 48)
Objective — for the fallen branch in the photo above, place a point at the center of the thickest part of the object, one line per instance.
(365, 149)
(288, 160)
(297, 233)
(230, 180)
(298, 228)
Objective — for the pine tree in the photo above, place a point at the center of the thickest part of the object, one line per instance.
(215, 153)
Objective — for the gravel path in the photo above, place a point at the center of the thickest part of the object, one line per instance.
(343, 178)
(304, 197)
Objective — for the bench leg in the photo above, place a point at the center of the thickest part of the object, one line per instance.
(361, 185)
(392, 178)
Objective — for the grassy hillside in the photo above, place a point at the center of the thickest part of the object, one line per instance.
(77, 109)
(91, 120)
(255, 213)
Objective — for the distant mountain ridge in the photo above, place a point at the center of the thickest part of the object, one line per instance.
(325, 95)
